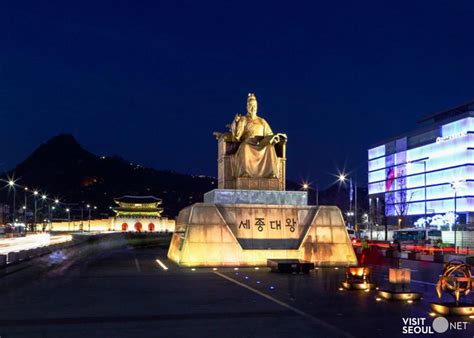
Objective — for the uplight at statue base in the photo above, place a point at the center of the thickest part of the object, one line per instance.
(248, 234)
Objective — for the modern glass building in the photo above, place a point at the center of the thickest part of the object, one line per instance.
(429, 171)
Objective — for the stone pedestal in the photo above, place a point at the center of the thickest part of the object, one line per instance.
(399, 286)
(232, 196)
(213, 234)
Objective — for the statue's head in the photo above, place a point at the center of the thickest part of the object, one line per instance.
(252, 105)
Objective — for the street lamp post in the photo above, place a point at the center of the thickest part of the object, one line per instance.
(25, 207)
(89, 207)
(306, 187)
(343, 178)
(43, 228)
(68, 219)
(369, 218)
(11, 184)
(455, 186)
(35, 195)
(49, 216)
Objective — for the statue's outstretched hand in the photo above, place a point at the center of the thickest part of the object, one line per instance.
(237, 117)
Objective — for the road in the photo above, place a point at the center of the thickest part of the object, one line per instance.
(30, 242)
(110, 289)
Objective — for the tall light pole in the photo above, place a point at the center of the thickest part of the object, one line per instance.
(35, 195)
(25, 207)
(56, 202)
(26, 225)
(306, 187)
(369, 218)
(11, 185)
(42, 205)
(68, 219)
(343, 178)
(89, 207)
(456, 185)
(51, 218)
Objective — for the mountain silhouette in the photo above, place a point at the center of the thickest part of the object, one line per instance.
(61, 167)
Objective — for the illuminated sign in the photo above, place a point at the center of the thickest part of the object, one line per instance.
(450, 137)
(269, 223)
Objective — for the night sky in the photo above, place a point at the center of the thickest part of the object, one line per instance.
(151, 81)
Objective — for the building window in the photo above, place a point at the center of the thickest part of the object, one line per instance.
(138, 227)
(151, 227)
(124, 227)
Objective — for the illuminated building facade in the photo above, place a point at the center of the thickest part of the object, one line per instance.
(429, 171)
(140, 213)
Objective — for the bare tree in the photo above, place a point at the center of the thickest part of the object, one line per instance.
(400, 205)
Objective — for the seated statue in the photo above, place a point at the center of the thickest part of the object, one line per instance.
(256, 156)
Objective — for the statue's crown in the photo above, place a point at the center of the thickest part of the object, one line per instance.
(251, 96)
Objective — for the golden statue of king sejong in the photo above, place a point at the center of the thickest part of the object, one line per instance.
(256, 156)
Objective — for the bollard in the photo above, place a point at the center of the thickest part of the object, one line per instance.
(32, 252)
(23, 255)
(12, 257)
(3, 260)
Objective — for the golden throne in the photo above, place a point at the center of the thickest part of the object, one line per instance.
(227, 146)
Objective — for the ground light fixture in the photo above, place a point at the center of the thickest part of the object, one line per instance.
(399, 286)
(161, 264)
(358, 278)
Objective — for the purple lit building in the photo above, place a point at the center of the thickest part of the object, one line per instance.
(429, 171)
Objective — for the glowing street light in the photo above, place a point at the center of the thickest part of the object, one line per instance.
(89, 208)
(11, 185)
(68, 218)
(342, 178)
(43, 197)
(35, 193)
(56, 201)
(306, 186)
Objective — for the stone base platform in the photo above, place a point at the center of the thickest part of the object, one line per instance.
(399, 295)
(357, 286)
(270, 197)
(212, 235)
(453, 309)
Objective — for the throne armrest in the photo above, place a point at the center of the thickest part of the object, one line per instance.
(224, 136)
(280, 147)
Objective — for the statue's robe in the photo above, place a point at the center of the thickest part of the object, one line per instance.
(256, 157)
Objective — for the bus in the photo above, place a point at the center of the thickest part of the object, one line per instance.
(417, 236)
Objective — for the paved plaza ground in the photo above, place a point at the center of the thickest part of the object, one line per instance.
(112, 289)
